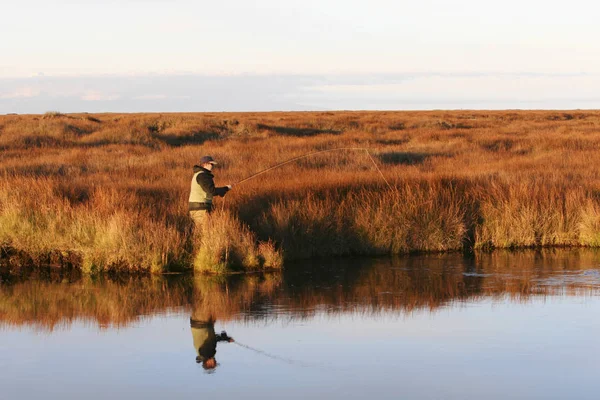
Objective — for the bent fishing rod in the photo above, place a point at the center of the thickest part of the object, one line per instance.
(291, 160)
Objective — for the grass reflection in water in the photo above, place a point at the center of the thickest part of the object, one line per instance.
(369, 286)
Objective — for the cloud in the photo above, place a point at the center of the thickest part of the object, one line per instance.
(93, 95)
(151, 97)
(197, 93)
(22, 92)
(156, 97)
(451, 91)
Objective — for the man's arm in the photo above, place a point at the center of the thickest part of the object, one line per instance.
(223, 337)
(208, 185)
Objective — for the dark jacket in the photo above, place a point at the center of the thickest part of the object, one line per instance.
(205, 339)
(206, 181)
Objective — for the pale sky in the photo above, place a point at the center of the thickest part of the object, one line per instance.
(133, 55)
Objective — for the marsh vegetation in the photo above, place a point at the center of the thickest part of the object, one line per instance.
(108, 192)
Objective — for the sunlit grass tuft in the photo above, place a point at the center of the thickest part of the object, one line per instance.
(224, 244)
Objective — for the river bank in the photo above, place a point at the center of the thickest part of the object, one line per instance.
(108, 192)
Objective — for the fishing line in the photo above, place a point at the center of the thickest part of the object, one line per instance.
(275, 357)
(291, 160)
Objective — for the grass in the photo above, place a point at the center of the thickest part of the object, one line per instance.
(109, 192)
(225, 244)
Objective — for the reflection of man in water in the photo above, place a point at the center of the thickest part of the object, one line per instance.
(205, 342)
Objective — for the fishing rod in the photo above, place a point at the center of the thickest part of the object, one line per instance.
(291, 160)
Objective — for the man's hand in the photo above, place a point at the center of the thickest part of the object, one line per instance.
(229, 187)
(224, 336)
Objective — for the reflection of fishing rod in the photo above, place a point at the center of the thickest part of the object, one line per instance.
(274, 357)
(281, 164)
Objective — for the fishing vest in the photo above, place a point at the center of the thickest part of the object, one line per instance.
(197, 194)
(205, 342)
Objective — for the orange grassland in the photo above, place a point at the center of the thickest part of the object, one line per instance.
(107, 192)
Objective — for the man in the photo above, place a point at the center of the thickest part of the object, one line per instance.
(205, 342)
(203, 190)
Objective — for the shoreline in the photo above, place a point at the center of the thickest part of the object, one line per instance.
(21, 264)
(108, 192)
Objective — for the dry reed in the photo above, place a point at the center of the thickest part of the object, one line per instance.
(111, 189)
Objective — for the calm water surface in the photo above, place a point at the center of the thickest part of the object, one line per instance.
(495, 326)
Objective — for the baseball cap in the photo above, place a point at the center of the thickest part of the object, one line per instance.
(207, 159)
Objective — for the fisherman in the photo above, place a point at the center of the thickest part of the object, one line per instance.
(205, 342)
(203, 190)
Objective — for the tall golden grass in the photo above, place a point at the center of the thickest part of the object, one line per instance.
(109, 191)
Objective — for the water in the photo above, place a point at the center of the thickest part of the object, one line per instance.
(504, 325)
